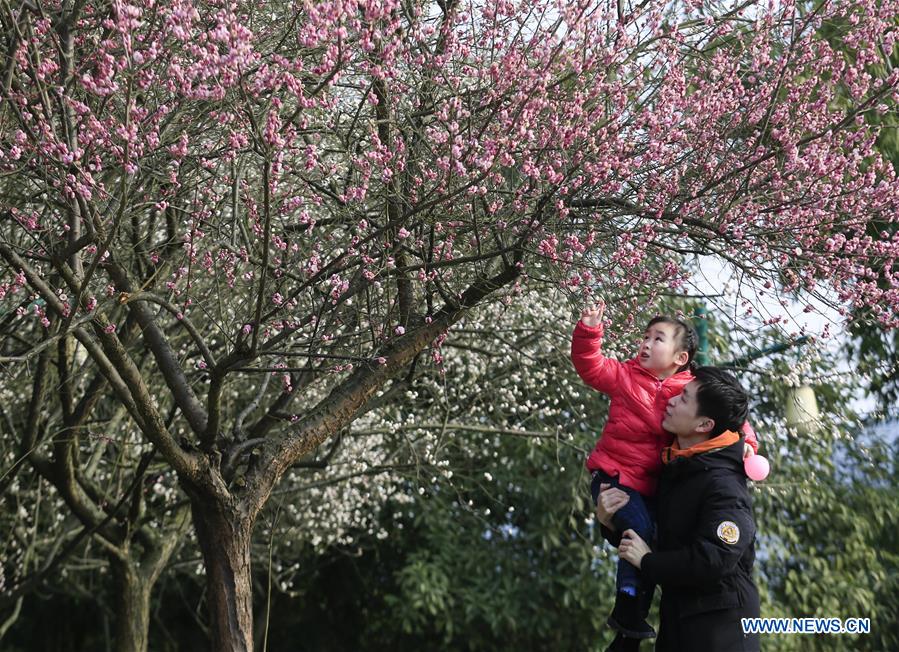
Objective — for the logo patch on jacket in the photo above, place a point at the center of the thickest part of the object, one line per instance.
(728, 532)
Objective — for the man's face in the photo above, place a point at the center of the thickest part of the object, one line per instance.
(681, 414)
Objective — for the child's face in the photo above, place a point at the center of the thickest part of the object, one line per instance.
(659, 349)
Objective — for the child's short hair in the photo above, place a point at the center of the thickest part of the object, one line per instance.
(721, 398)
(687, 339)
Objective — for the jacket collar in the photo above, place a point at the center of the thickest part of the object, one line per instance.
(725, 439)
(685, 375)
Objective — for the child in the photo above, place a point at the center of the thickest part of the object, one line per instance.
(628, 453)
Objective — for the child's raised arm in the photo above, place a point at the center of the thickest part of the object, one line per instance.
(598, 371)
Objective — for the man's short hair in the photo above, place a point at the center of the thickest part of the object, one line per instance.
(721, 398)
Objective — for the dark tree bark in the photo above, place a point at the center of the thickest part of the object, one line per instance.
(224, 533)
(132, 612)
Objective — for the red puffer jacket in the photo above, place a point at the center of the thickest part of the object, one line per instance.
(632, 440)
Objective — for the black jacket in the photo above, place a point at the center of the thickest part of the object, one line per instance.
(703, 554)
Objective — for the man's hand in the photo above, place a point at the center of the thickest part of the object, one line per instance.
(610, 501)
(633, 548)
(592, 315)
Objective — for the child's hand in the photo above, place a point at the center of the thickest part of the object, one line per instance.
(592, 316)
(747, 451)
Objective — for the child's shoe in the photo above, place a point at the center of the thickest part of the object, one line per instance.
(624, 644)
(627, 617)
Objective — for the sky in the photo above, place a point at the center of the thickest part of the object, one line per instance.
(717, 279)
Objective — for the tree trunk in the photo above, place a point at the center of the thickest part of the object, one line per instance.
(132, 618)
(224, 535)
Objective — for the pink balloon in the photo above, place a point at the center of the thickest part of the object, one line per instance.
(756, 467)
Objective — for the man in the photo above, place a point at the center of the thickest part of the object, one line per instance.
(705, 537)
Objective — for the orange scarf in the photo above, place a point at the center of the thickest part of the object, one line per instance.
(725, 439)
